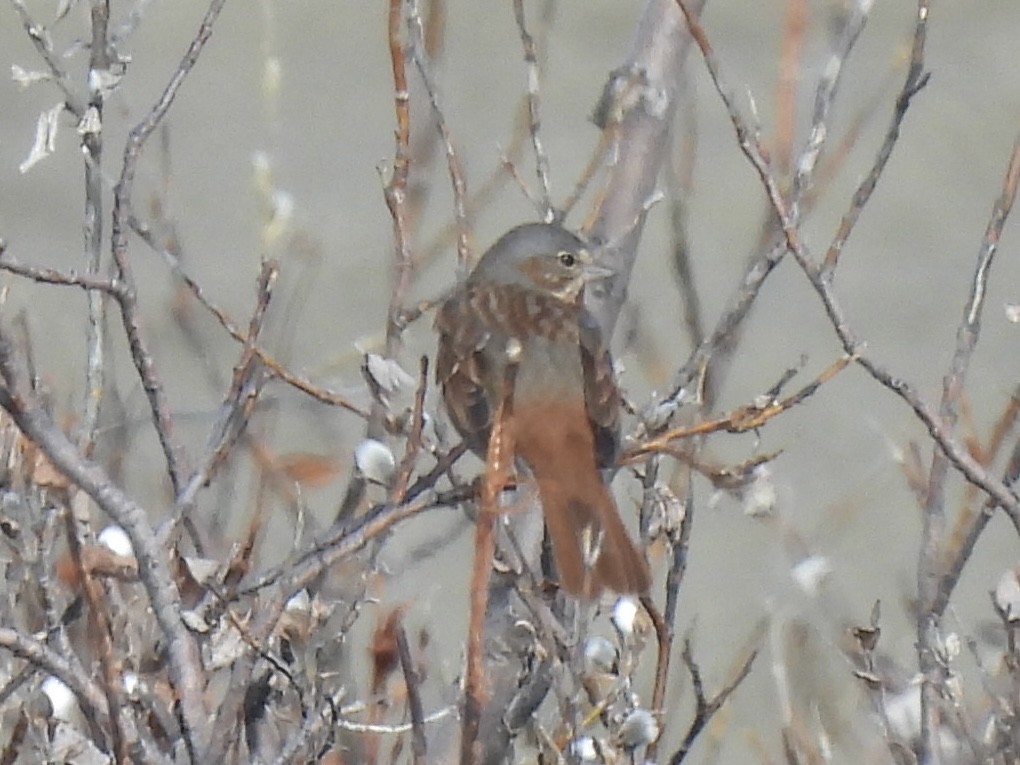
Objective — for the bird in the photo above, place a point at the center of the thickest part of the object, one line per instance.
(522, 307)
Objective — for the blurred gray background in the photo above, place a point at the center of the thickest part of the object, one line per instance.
(903, 280)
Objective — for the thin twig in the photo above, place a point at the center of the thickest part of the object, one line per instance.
(414, 438)
(92, 144)
(679, 187)
(945, 574)
(412, 682)
(706, 708)
(740, 420)
(535, 122)
(246, 384)
(357, 727)
(664, 645)
(60, 278)
(679, 543)
(453, 164)
(596, 162)
(479, 199)
(825, 95)
(122, 214)
(515, 175)
(914, 82)
(424, 139)
(396, 190)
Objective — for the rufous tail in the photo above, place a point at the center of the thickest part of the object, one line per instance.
(590, 544)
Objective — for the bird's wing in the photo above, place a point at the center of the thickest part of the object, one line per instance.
(601, 396)
(462, 369)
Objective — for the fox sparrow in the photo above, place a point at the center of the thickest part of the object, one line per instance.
(525, 297)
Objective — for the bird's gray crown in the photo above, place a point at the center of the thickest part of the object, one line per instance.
(500, 263)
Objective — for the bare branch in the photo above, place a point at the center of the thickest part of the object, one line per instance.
(185, 662)
(642, 99)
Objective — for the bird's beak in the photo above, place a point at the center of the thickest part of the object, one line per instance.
(592, 271)
(595, 273)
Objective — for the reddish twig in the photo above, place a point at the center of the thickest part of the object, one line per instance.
(412, 681)
(786, 87)
(395, 191)
(740, 420)
(103, 633)
(664, 646)
(414, 438)
(498, 468)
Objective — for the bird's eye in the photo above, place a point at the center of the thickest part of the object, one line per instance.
(567, 259)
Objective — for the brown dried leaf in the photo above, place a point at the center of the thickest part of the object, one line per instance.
(309, 469)
(98, 560)
(383, 650)
(43, 472)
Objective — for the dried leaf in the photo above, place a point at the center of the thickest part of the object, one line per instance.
(203, 570)
(309, 469)
(24, 77)
(383, 650)
(226, 646)
(43, 473)
(45, 137)
(388, 376)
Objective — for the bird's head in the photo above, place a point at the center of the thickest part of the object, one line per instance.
(542, 257)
